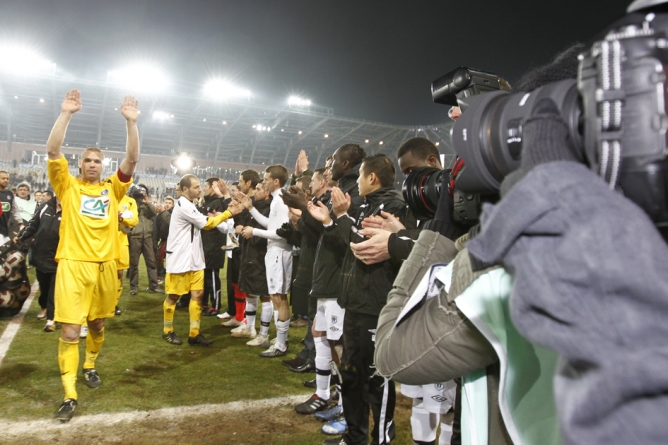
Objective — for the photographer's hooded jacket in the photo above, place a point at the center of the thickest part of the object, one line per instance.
(45, 228)
(252, 270)
(364, 288)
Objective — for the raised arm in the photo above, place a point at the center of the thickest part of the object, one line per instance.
(130, 111)
(70, 105)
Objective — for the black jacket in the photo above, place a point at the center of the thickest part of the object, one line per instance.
(252, 271)
(364, 288)
(161, 227)
(331, 247)
(213, 240)
(45, 228)
(308, 245)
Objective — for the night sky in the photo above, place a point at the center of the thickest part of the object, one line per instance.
(372, 60)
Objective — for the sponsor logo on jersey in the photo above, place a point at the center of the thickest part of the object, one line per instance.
(439, 399)
(95, 206)
(6, 206)
(104, 192)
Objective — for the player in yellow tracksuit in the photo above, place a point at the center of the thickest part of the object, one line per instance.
(86, 281)
(128, 217)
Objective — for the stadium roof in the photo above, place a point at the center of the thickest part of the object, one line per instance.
(240, 130)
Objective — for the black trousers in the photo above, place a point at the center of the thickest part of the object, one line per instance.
(211, 288)
(362, 390)
(47, 286)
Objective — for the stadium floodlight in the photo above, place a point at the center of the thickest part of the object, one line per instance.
(21, 60)
(139, 77)
(160, 115)
(298, 101)
(183, 163)
(220, 89)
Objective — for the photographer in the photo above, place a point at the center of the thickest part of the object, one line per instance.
(141, 241)
(465, 331)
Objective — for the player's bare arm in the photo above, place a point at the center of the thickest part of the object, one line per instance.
(130, 111)
(71, 104)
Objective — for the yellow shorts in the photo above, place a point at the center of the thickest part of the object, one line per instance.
(183, 283)
(85, 290)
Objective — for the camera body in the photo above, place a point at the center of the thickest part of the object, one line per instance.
(615, 112)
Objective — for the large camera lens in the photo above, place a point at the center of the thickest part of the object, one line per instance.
(488, 137)
(422, 189)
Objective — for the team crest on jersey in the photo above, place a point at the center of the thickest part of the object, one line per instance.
(440, 386)
(104, 192)
(94, 206)
(334, 319)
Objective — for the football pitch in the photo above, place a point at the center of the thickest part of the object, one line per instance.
(155, 392)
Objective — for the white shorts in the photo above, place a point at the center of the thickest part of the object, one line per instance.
(438, 398)
(329, 318)
(279, 271)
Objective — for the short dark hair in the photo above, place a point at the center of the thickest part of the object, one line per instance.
(352, 153)
(48, 192)
(186, 181)
(319, 171)
(382, 166)
(278, 172)
(252, 176)
(210, 181)
(420, 148)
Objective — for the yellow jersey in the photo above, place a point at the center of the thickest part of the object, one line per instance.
(89, 225)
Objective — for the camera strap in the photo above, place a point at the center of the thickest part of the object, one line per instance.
(610, 109)
(457, 165)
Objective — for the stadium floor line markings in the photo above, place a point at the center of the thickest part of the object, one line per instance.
(94, 421)
(14, 325)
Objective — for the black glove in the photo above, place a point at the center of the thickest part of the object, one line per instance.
(443, 221)
(285, 231)
(546, 139)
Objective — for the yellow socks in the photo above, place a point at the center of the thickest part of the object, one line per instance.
(195, 310)
(68, 360)
(168, 309)
(94, 342)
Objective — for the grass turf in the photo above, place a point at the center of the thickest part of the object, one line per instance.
(140, 371)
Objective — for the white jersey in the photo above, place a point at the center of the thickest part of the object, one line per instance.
(279, 214)
(184, 251)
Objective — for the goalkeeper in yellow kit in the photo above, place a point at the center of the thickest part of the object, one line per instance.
(86, 281)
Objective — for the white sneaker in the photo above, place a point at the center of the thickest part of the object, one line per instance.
(257, 341)
(84, 332)
(245, 332)
(241, 327)
(232, 323)
(224, 315)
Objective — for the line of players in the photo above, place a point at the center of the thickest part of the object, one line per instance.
(346, 276)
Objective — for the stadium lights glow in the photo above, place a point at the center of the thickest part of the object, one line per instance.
(437, 144)
(21, 60)
(219, 89)
(41, 101)
(139, 77)
(183, 163)
(299, 101)
(16, 97)
(160, 115)
(380, 143)
(299, 132)
(366, 141)
(224, 122)
(326, 135)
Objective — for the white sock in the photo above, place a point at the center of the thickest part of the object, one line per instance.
(323, 355)
(446, 432)
(282, 334)
(423, 423)
(275, 314)
(265, 318)
(251, 310)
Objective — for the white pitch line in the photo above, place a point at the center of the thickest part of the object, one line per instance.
(15, 323)
(39, 427)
